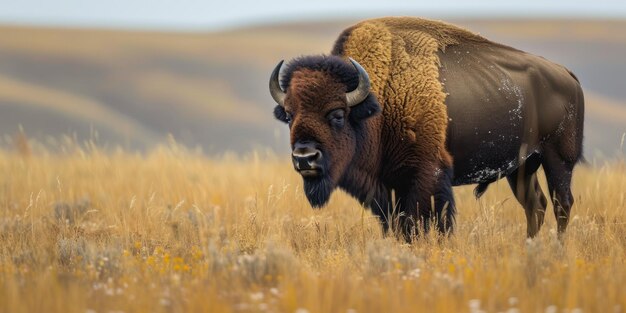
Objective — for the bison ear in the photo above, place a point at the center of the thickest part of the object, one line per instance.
(365, 109)
(280, 114)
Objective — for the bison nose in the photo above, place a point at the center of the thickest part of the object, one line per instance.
(306, 159)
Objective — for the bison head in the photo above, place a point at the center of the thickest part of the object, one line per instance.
(325, 101)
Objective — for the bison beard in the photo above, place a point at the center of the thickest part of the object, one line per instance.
(318, 190)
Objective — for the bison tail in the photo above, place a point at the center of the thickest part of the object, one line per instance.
(480, 189)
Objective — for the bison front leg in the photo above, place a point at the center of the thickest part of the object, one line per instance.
(398, 212)
(399, 215)
(445, 206)
(383, 208)
(417, 211)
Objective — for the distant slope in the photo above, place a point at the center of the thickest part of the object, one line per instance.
(49, 111)
(605, 123)
(210, 89)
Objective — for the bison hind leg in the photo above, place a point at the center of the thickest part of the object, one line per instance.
(559, 175)
(525, 187)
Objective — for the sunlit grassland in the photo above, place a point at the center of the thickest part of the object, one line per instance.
(173, 230)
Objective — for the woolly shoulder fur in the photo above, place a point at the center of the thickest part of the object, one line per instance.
(400, 56)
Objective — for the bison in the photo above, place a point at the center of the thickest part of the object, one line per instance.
(405, 108)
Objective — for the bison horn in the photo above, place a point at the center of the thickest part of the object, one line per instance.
(361, 92)
(277, 93)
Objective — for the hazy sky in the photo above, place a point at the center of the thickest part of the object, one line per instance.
(213, 14)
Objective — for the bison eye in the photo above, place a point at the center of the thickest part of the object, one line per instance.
(336, 117)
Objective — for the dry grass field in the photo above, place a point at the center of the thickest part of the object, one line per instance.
(175, 231)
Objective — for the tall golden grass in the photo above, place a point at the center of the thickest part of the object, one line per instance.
(175, 231)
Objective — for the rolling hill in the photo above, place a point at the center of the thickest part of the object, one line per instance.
(210, 89)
